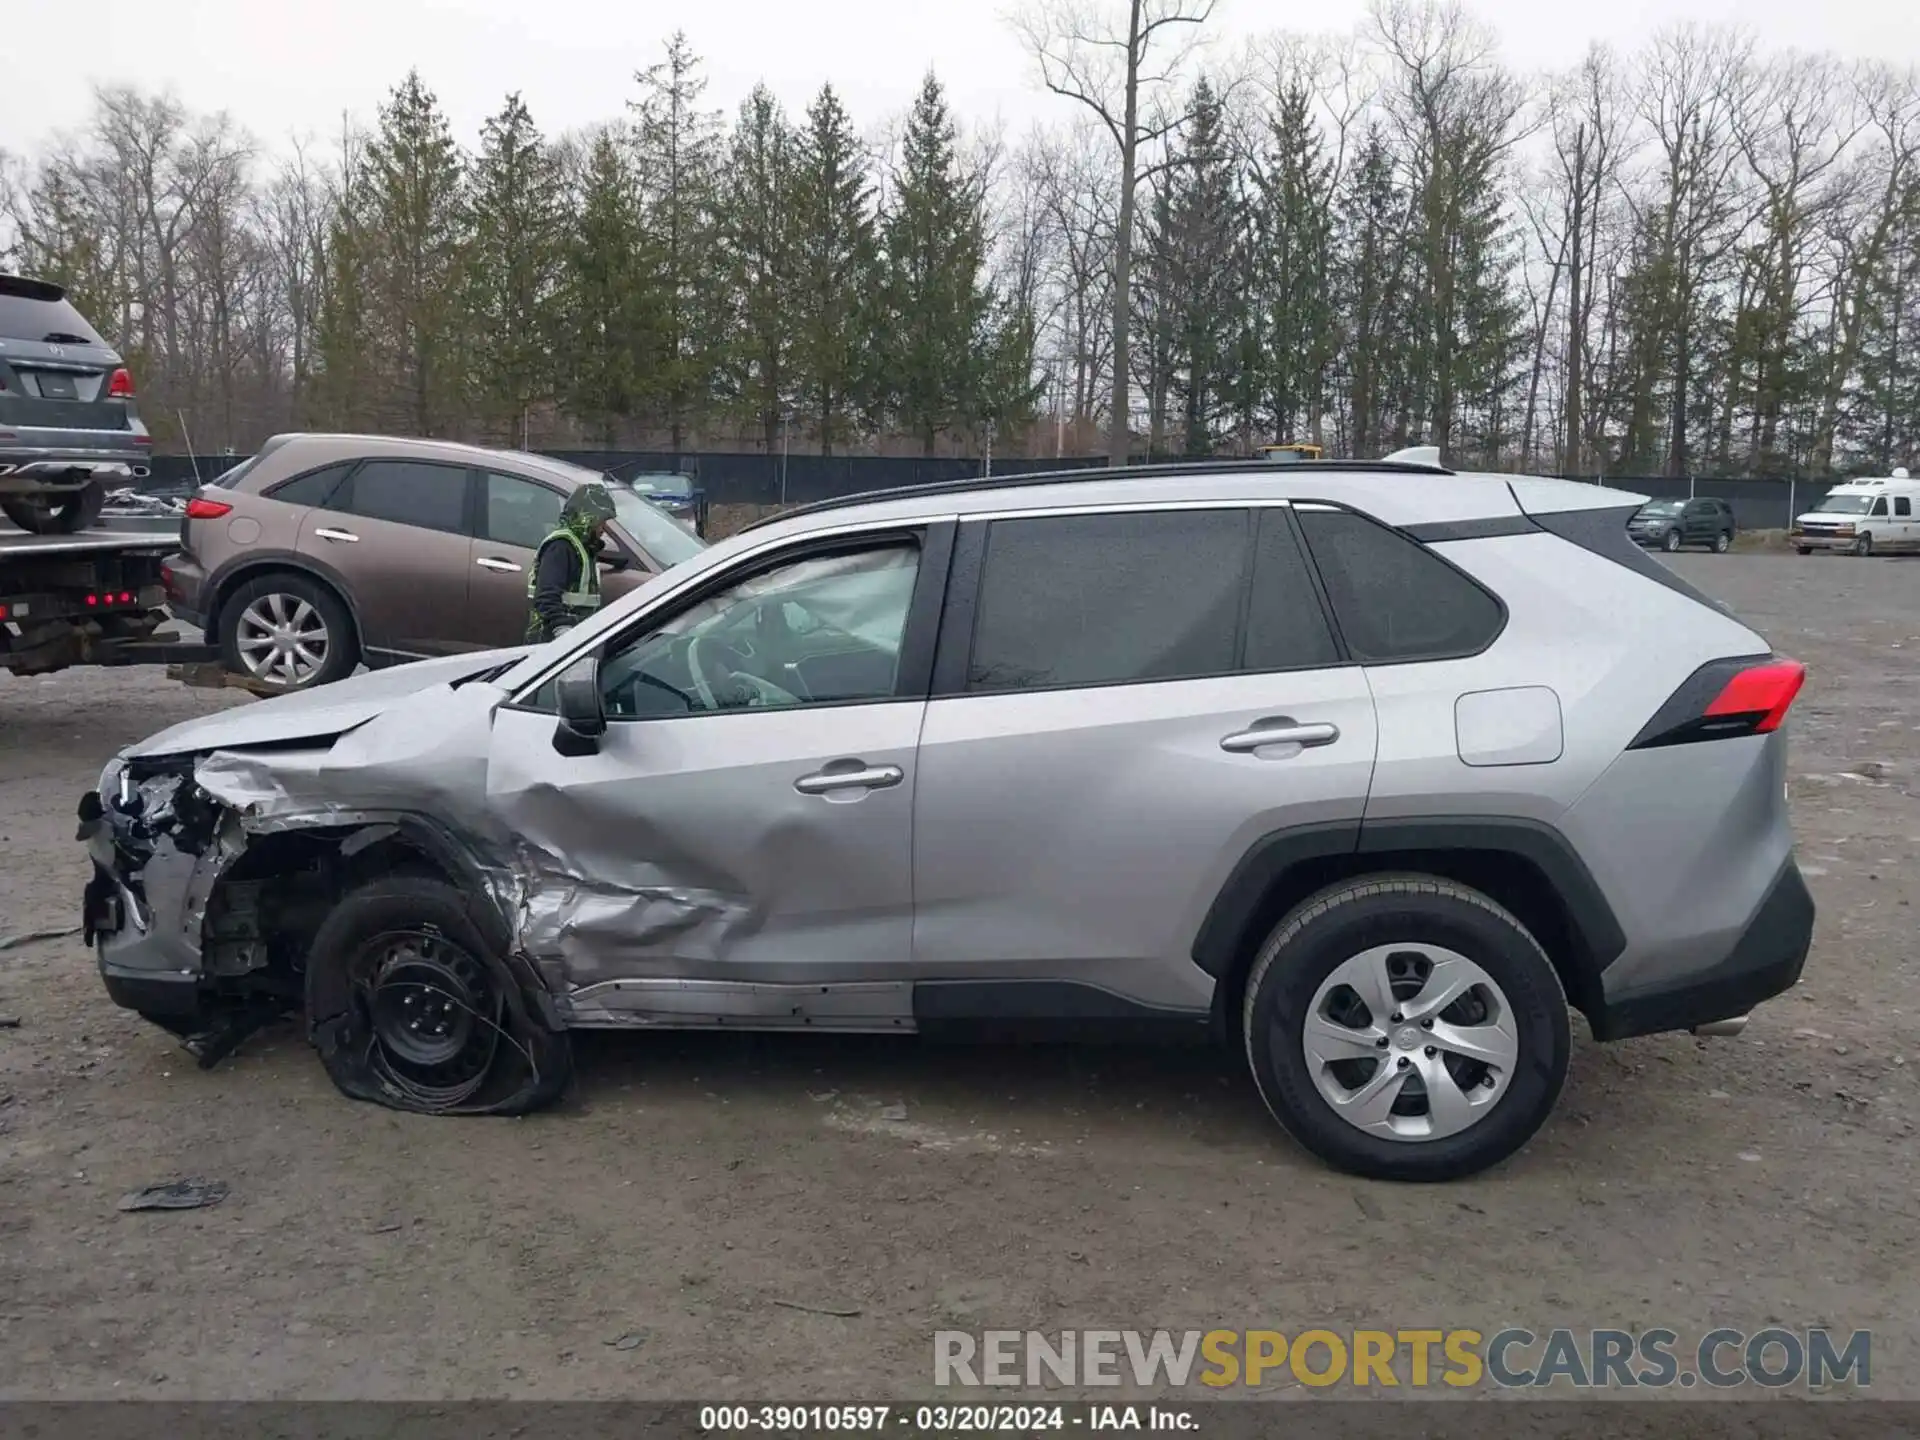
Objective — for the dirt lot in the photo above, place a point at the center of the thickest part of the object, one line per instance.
(697, 1188)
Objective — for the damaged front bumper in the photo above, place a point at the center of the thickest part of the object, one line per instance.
(160, 847)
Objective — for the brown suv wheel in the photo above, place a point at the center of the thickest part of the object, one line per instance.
(287, 630)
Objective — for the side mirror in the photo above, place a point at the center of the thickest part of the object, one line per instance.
(583, 715)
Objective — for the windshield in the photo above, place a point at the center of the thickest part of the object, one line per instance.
(1844, 505)
(1661, 507)
(668, 539)
(665, 538)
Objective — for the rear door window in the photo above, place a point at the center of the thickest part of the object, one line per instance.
(1902, 506)
(1108, 599)
(520, 512)
(1393, 598)
(407, 492)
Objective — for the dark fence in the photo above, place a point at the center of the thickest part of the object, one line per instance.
(798, 479)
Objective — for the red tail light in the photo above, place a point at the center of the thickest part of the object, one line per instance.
(1726, 699)
(202, 509)
(120, 385)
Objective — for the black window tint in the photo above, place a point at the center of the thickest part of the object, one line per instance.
(408, 492)
(520, 512)
(1286, 628)
(1394, 599)
(1901, 505)
(1880, 506)
(1104, 599)
(315, 488)
(25, 317)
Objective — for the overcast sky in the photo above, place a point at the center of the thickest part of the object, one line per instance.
(287, 69)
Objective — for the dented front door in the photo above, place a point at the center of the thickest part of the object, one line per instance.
(740, 846)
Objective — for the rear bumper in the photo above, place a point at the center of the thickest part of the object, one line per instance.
(185, 583)
(35, 470)
(1766, 960)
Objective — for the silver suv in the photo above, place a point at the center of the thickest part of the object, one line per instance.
(1365, 770)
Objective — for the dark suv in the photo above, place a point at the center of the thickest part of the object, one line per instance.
(1671, 524)
(68, 424)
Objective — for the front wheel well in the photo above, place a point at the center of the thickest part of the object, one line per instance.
(1508, 879)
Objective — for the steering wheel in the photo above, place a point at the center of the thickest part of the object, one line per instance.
(726, 670)
(697, 667)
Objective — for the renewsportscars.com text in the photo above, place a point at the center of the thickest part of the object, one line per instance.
(1513, 1358)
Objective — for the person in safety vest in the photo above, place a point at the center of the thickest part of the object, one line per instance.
(564, 588)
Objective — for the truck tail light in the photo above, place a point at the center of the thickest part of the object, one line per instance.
(120, 384)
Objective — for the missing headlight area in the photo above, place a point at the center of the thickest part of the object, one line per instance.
(216, 916)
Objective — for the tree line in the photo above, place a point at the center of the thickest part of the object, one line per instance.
(1697, 257)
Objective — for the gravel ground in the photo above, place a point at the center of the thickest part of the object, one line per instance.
(696, 1189)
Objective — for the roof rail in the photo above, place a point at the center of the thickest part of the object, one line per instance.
(1094, 473)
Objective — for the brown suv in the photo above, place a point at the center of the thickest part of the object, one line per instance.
(324, 551)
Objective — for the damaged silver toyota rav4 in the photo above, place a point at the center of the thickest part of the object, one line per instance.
(1367, 770)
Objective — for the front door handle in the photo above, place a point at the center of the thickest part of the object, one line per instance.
(328, 533)
(491, 562)
(1278, 731)
(856, 776)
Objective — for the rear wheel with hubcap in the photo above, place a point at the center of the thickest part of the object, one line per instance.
(1406, 1027)
(1722, 543)
(288, 631)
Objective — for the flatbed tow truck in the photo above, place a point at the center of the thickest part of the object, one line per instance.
(95, 597)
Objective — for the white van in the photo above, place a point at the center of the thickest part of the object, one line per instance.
(1862, 516)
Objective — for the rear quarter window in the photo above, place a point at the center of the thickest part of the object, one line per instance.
(314, 489)
(1394, 599)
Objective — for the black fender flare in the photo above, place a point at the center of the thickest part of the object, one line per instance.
(1594, 939)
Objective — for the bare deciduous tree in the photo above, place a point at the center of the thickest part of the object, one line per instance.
(1118, 58)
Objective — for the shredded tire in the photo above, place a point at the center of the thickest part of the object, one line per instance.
(501, 1057)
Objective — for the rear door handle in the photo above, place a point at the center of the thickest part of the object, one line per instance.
(1279, 731)
(326, 532)
(865, 777)
(490, 562)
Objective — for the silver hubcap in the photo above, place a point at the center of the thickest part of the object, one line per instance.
(1410, 1042)
(282, 638)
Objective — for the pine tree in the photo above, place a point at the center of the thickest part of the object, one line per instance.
(515, 198)
(834, 263)
(610, 304)
(935, 305)
(756, 230)
(677, 147)
(414, 236)
(1197, 248)
(1369, 280)
(1291, 240)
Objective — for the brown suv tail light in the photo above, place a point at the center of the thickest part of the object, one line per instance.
(120, 384)
(1726, 699)
(200, 508)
